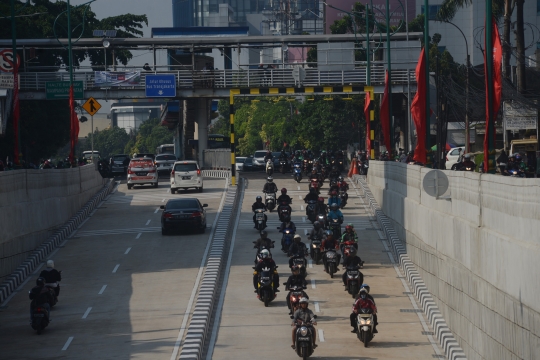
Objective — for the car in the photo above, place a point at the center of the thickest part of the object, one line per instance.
(453, 156)
(240, 163)
(183, 214)
(186, 174)
(165, 162)
(258, 159)
(144, 155)
(87, 155)
(119, 163)
(248, 164)
(140, 172)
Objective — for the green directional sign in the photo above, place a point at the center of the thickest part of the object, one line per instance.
(60, 90)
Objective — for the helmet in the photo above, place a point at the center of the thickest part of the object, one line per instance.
(304, 300)
(295, 268)
(334, 206)
(258, 198)
(50, 264)
(340, 178)
(363, 293)
(329, 233)
(467, 156)
(518, 157)
(269, 179)
(511, 156)
(265, 254)
(284, 191)
(297, 238)
(316, 225)
(334, 193)
(264, 234)
(366, 287)
(40, 281)
(348, 227)
(320, 199)
(352, 251)
(351, 225)
(287, 218)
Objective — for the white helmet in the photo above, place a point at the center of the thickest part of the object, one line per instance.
(270, 179)
(50, 264)
(265, 254)
(297, 237)
(304, 300)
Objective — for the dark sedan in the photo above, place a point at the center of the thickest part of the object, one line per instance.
(185, 213)
(248, 164)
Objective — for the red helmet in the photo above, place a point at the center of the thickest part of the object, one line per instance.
(348, 228)
(334, 193)
(283, 191)
(315, 185)
(321, 199)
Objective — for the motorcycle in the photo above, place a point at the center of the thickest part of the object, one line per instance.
(270, 201)
(260, 221)
(295, 294)
(258, 256)
(310, 209)
(304, 338)
(297, 172)
(314, 184)
(265, 286)
(307, 166)
(283, 211)
(287, 239)
(269, 167)
(353, 280)
(331, 261)
(516, 173)
(300, 261)
(283, 166)
(321, 218)
(365, 324)
(51, 288)
(315, 249)
(335, 226)
(346, 248)
(363, 167)
(40, 318)
(343, 196)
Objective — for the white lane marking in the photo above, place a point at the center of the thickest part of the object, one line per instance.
(127, 251)
(305, 231)
(298, 187)
(317, 308)
(138, 235)
(225, 281)
(300, 197)
(301, 207)
(116, 268)
(198, 279)
(69, 340)
(102, 289)
(310, 264)
(303, 219)
(313, 286)
(321, 335)
(168, 191)
(155, 212)
(87, 312)
(163, 200)
(148, 222)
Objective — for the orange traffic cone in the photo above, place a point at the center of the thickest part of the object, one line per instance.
(353, 161)
(355, 169)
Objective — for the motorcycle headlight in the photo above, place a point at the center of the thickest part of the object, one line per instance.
(362, 321)
(303, 331)
(293, 299)
(314, 245)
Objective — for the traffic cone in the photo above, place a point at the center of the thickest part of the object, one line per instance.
(355, 169)
(353, 161)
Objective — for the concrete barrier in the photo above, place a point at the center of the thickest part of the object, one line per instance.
(477, 253)
(34, 203)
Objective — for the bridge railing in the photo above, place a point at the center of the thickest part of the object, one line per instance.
(189, 79)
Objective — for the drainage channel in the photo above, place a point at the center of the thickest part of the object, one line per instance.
(193, 345)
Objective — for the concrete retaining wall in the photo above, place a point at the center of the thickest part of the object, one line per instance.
(477, 253)
(33, 203)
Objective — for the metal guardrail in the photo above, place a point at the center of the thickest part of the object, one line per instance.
(229, 79)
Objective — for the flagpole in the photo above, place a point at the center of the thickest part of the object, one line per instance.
(390, 117)
(490, 124)
(426, 52)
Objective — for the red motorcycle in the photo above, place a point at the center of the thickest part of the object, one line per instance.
(346, 247)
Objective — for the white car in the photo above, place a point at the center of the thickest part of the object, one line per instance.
(240, 163)
(140, 172)
(186, 174)
(453, 157)
(258, 159)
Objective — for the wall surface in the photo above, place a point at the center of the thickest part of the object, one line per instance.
(478, 253)
(33, 203)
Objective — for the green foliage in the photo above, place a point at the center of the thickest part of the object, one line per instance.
(109, 141)
(148, 137)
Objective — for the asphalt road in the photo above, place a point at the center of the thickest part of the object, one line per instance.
(125, 287)
(248, 330)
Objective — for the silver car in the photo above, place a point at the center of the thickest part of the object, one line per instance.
(258, 159)
(164, 162)
(119, 163)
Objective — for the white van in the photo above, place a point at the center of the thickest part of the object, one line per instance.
(186, 174)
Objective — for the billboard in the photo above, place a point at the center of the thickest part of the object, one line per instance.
(397, 11)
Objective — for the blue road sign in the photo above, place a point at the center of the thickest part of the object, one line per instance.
(161, 85)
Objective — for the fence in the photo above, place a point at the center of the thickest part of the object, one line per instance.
(217, 159)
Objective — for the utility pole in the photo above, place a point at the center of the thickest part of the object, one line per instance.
(391, 117)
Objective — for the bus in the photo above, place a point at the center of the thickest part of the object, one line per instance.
(165, 149)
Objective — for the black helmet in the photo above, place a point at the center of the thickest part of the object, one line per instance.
(317, 225)
(259, 198)
(334, 206)
(287, 218)
(264, 234)
(352, 252)
(40, 281)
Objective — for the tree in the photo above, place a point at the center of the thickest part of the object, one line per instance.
(110, 141)
(148, 137)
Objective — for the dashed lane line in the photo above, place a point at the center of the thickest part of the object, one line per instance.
(69, 340)
(321, 335)
(116, 268)
(317, 308)
(86, 313)
(127, 251)
(313, 286)
(148, 222)
(102, 290)
(138, 235)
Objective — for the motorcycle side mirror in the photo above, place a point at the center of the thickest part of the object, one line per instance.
(292, 317)
(162, 207)
(284, 284)
(277, 228)
(314, 316)
(253, 267)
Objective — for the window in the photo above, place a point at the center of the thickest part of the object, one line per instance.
(185, 167)
(259, 154)
(433, 10)
(183, 204)
(165, 157)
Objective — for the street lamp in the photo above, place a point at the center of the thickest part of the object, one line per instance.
(106, 43)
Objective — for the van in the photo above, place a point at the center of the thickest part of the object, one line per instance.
(523, 146)
(87, 155)
(186, 174)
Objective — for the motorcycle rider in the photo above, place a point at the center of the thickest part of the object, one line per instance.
(321, 207)
(266, 262)
(270, 187)
(40, 296)
(343, 186)
(287, 224)
(295, 280)
(363, 302)
(316, 232)
(297, 248)
(314, 176)
(367, 289)
(335, 213)
(268, 156)
(305, 315)
(349, 235)
(467, 162)
(352, 261)
(284, 197)
(283, 205)
(258, 204)
(334, 173)
(263, 243)
(330, 244)
(312, 195)
(51, 276)
(334, 199)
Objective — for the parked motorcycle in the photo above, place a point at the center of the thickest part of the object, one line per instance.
(260, 221)
(297, 172)
(353, 280)
(365, 324)
(269, 167)
(315, 249)
(265, 286)
(270, 201)
(304, 338)
(331, 261)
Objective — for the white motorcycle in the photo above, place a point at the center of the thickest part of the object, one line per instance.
(269, 167)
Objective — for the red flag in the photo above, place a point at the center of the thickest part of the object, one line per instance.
(368, 124)
(418, 109)
(74, 122)
(497, 87)
(385, 114)
(16, 115)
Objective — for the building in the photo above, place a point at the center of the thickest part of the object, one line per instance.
(129, 115)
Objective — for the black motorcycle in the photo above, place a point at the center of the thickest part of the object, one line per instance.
(265, 287)
(40, 318)
(283, 166)
(260, 221)
(315, 249)
(335, 226)
(310, 209)
(300, 261)
(353, 280)
(343, 196)
(283, 211)
(258, 257)
(293, 299)
(331, 260)
(304, 338)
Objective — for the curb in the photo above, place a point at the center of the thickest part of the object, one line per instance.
(222, 174)
(200, 323)
(32, 261)
(445, 337)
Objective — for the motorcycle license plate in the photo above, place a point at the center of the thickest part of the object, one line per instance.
(304, 339)
(260, 217)
(353, 272)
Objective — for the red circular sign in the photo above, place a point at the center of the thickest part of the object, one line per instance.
(6, 61)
